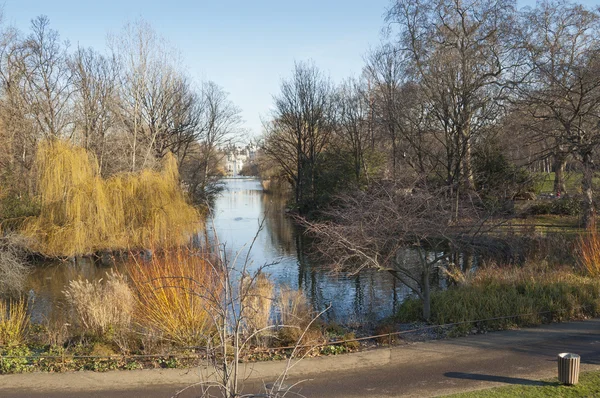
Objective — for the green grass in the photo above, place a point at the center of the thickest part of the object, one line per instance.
(589, 386)
(537, 293)
(545, 182)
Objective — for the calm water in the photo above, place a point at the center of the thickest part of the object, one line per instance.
(236, 220)
(237, 216)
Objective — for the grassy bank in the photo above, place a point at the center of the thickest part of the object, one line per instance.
(537, 293)
(589, 386)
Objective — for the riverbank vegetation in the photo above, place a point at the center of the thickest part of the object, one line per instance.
(505, 297)
(176, 308)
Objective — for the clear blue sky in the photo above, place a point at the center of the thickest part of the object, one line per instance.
(247, 47)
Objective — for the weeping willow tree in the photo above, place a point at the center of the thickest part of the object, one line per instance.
(82, 213)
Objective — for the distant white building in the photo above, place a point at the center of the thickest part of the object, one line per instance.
(237, 157)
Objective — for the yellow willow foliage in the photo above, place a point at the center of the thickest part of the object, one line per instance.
(82, 213)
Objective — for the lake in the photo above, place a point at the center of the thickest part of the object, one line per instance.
(235, 221)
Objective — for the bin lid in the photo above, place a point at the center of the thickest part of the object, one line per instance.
(568, 355)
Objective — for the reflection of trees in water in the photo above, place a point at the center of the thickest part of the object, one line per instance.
(278, 225)
(47, 282)
(355, 298)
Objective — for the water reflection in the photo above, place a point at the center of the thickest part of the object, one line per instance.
(353, 298)
(47, 282)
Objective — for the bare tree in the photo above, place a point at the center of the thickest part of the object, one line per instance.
(95, 93)
(143, 63)
(402, 113)
(301, 125)
(47, 81)
(219, 124)
(408, 234)
(456, 51)
(386, 74)
(560, 94)
(352, 126)
(18, 132)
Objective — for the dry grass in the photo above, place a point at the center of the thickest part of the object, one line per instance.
(14, 321)
(102, 308)
(293, 308)
(176, 291)
(257, 301)
(83, 213)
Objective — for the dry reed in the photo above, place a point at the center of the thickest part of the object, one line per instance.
(101, 307)
(176, 291)
(83, 213)
(257, 301)
(293, 307)
(14, 321)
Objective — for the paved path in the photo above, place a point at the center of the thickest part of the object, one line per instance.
(416, 370)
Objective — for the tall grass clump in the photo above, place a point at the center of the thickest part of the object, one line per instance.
(536, 294)
(81, 213)
(258, 301)
(293, 307)
(14, 321)
(294, 316)
(101, 308)
(176, 291)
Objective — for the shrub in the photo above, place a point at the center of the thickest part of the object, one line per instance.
(499, 292)
(101, 308)
(567, 206)
(176, 292)
(14, 321)
(17, 361)
(13, 267)
(588, 248)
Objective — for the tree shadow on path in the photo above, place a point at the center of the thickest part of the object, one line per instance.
(498, 379)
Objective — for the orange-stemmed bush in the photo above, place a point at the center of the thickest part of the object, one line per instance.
(177, 294)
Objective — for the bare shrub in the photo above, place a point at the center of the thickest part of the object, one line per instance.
(13, 267)
(101, 307)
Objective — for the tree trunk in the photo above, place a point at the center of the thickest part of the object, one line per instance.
(426, 294)
(588, 216)
(467, 167)
(560, 162)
